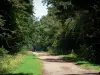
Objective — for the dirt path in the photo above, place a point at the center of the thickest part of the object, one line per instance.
(53, 65)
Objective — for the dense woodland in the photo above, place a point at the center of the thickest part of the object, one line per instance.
(69, 26)
(16, 24)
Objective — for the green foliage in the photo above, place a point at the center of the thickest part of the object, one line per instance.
(84, 53)
(78, 27)
(81, 62)
(72, 54)
(46, 32)
(17, 31)
(16, 24)
(9, 62)
(3, 52)
(3, 56)
(50, 51)
(54, 51)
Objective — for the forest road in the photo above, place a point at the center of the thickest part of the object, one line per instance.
(54, 65)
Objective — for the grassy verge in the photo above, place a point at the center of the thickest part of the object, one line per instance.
(9, 61)
(80, 62)
(30, 65)
(24, 63)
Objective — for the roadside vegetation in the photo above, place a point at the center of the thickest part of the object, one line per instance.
(30, 65)
(8, 62)
(23, 63)
(17, 26)
(80, 62)
(72, 57)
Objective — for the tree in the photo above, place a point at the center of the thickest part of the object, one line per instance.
(80, 25)
(16, 17)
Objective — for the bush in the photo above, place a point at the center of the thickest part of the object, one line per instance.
(3, 56)
(50, 50)
(85, 52)
(54, 51)
(72, 54)
(9, 62)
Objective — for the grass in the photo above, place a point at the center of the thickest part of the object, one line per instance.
(80, 62)
(9, 61)
(88, 65)
(30, 65)
(23, 63)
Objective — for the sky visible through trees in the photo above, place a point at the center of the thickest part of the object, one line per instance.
(40, 9)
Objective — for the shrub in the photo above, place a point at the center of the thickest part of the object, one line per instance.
(3, 52)
(85, 52)
(9, 62)
(3, 56)
(55, 51)
(72, 54)
(50, 50)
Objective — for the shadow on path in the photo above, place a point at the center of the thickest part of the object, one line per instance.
(56, 60)
(85, 74)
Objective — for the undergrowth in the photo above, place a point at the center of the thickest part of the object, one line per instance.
(81, 62)
(22, 63)
(8, 62)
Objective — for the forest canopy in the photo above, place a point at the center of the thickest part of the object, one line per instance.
(72, 25)
(16, 16)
